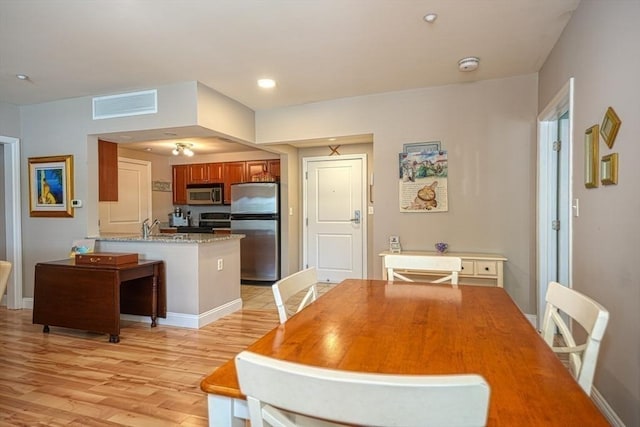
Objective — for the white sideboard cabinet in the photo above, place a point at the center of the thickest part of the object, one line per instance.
(477, 268)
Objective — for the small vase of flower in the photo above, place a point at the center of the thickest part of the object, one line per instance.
(442, 247)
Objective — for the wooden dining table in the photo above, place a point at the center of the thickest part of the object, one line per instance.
(422, 329)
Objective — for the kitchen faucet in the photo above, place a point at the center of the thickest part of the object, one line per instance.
(146, 228)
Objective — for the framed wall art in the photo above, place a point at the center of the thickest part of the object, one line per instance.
(421, 147)
(51, 186)
(609, 169)
(591, 157)
(609, 128)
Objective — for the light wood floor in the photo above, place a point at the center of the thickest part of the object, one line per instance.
(151, 378)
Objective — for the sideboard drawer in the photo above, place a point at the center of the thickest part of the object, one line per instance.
(486, 268)
(468, 267)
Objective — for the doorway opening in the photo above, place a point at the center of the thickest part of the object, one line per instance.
(12, 219)
(555, 144)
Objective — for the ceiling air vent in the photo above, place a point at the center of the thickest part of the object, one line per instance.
(125, 104)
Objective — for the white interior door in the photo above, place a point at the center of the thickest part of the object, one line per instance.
(134, 199)
(334, 222)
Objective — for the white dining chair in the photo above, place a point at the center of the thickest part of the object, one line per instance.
(590, 315)
(287, 394)
(448, 265)
(286, 288)
(5, 270)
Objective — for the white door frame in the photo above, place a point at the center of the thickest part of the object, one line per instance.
(13, 219)
(363, 216)
(547, 134)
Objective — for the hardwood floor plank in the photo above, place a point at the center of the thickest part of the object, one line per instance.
(151, 378)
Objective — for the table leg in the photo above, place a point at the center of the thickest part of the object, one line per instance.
(154, 295)
(221, 412)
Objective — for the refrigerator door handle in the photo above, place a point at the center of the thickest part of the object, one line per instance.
(356, 219)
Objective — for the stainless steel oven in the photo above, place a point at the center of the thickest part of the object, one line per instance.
(205, 194)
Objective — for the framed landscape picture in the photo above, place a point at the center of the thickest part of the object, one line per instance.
(51, 186)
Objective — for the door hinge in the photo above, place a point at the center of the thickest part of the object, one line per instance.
(306, 175)
(555, 225)
(557, 145)
(306, 222)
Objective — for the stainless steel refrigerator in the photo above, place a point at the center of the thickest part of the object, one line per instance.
(255, 212)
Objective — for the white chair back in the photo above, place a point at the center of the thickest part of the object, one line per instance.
(5, 271)
(285, 288)
(590, 315)
(290, 394)
(423, 263)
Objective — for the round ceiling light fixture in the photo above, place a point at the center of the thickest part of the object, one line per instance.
(267, 83)
(22, 76)
(468, 64)
(431, 17)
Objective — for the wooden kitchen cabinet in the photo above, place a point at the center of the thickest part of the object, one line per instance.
(198, 173)
(273, 166)
(257, 167)
(216, 172)
(180, 179)
(107, 171)
(233, 172)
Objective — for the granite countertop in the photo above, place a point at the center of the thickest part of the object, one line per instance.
(169, 237)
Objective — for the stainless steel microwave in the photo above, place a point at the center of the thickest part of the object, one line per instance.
(205, 194)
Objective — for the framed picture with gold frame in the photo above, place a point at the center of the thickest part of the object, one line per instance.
(609, 169)
(591, 157)
(609, 128)
(51, 186)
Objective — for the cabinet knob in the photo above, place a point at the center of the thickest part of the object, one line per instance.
(486, 268)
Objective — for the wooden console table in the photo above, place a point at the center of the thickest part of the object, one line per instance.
(91, 297)
(477, 268)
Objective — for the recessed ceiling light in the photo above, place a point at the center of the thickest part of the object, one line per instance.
(332, 139)
(22, 76)
(267, 83)
(431, 17)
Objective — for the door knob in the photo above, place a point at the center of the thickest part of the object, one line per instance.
(356, 218)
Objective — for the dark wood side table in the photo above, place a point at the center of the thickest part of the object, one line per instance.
(91, 297)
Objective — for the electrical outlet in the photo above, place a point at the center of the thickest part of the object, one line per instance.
(220, 264)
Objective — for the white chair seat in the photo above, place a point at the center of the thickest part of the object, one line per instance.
(286, 394)
(448, 265)
(590, 315)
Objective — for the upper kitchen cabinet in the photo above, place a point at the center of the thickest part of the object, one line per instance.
(203, 173)
(256, 168)
(180, 179)
(198, 173)
(216, 172)
(107, 171)
(233, 172)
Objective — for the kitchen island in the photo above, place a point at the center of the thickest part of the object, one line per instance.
(202, 273)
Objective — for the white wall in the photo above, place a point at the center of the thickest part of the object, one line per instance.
(489, 130)
(66, 127)
(599, 48)
(9, 120)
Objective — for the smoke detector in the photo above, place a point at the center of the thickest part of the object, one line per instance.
(468, 64)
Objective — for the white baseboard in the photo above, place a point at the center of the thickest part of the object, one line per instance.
(606, 410)
(181, 320)
(193, 321)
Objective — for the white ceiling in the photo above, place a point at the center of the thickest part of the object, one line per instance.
(315, 49)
